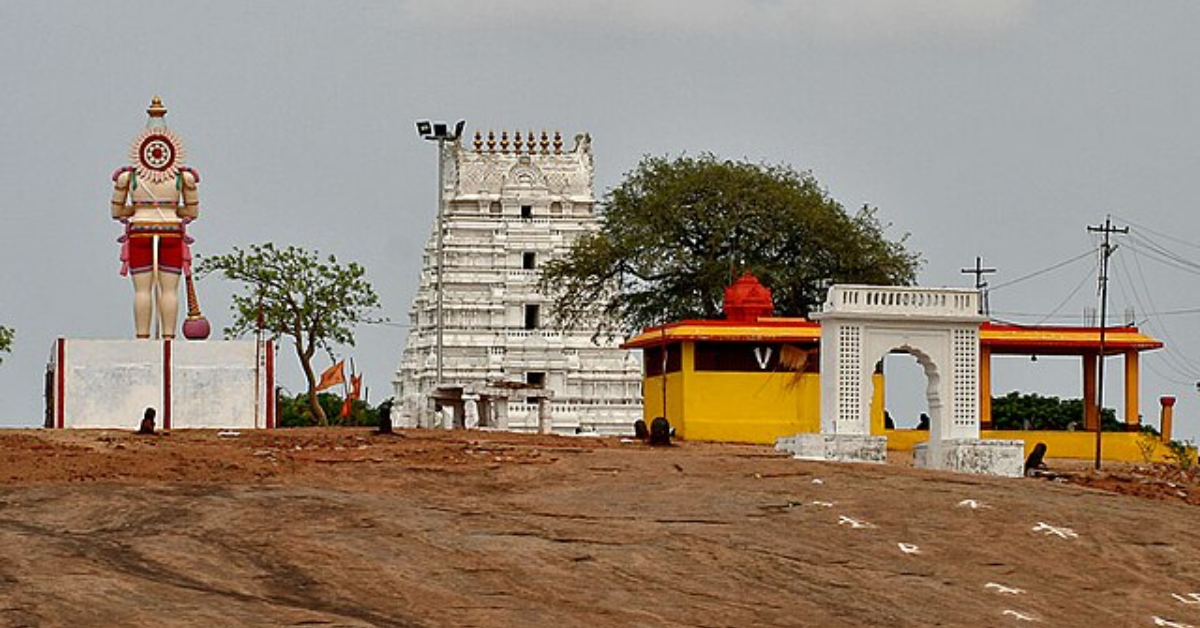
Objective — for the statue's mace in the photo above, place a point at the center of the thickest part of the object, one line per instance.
(196, 327)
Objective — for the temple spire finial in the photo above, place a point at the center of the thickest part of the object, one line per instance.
(156, 108)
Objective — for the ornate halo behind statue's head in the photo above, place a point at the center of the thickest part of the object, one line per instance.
(157, 154)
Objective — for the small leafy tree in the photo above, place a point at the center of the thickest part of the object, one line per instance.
(676, 232)
(7, 335)
(295, 293)
(1148, 442)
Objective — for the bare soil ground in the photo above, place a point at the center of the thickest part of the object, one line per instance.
(345, 528)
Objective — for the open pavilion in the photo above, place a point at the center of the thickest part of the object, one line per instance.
(752, 377)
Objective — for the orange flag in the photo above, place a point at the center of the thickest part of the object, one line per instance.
(333, 376)
(355, 393)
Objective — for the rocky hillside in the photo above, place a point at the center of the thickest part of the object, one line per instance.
(344, 528)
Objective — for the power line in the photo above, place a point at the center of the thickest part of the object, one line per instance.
(1067, 299)
(1182, 361)
(1165, 256)
(1168, 378)
(1038, 273)
(1041, 315)
(1136, 297)
(1190, 310)
(1159, 233)
(1145, 247)
(389, 324)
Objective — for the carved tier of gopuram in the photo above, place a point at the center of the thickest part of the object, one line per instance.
(860, 325)
(512, 202)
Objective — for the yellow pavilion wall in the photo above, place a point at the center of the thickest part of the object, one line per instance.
(742, 407)
(652, 400)
(750, 407)
(1118, 446)
(733, 407)
(761, 407)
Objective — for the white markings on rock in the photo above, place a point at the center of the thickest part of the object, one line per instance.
(909, 548)
(1003, 589)
(818, 481)
(1059, 531)
(1019, 616)
(823, 504)
(854, 524)
(1190, 598)
(972, 504)
(1159, 621)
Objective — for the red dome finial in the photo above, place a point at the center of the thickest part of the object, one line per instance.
(746, 299)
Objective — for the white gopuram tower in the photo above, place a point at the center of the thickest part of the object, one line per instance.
(510, 205)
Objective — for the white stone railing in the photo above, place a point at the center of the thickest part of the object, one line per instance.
(517, 223)
(534, 333)
(902, 300)
(521, 409)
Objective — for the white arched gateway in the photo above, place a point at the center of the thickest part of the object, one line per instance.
(860, 325)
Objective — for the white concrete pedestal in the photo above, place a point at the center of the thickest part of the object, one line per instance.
(836, 447)
(108, 384)
(1005, 458)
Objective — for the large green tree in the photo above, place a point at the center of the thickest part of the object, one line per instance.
(677, 231)
(316, 302)
(6, 340)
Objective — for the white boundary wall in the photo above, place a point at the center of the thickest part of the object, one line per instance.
(108, 384)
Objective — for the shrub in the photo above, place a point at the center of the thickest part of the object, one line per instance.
(1182, 454)
(1148, 443)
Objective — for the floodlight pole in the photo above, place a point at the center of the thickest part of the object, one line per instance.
(440, 133)
(441, 250)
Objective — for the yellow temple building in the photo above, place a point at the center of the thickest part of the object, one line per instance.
(753, 378)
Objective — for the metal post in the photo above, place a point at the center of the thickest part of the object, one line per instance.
(980, 285)
(664, 369)
(441, 251)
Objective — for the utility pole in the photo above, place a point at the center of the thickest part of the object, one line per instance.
(979, 271)
(1106, 251)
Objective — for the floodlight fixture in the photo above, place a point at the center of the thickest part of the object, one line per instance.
(440, 131)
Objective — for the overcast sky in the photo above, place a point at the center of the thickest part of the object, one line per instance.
(982, 127)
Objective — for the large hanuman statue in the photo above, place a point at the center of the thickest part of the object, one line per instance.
(155, 198)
